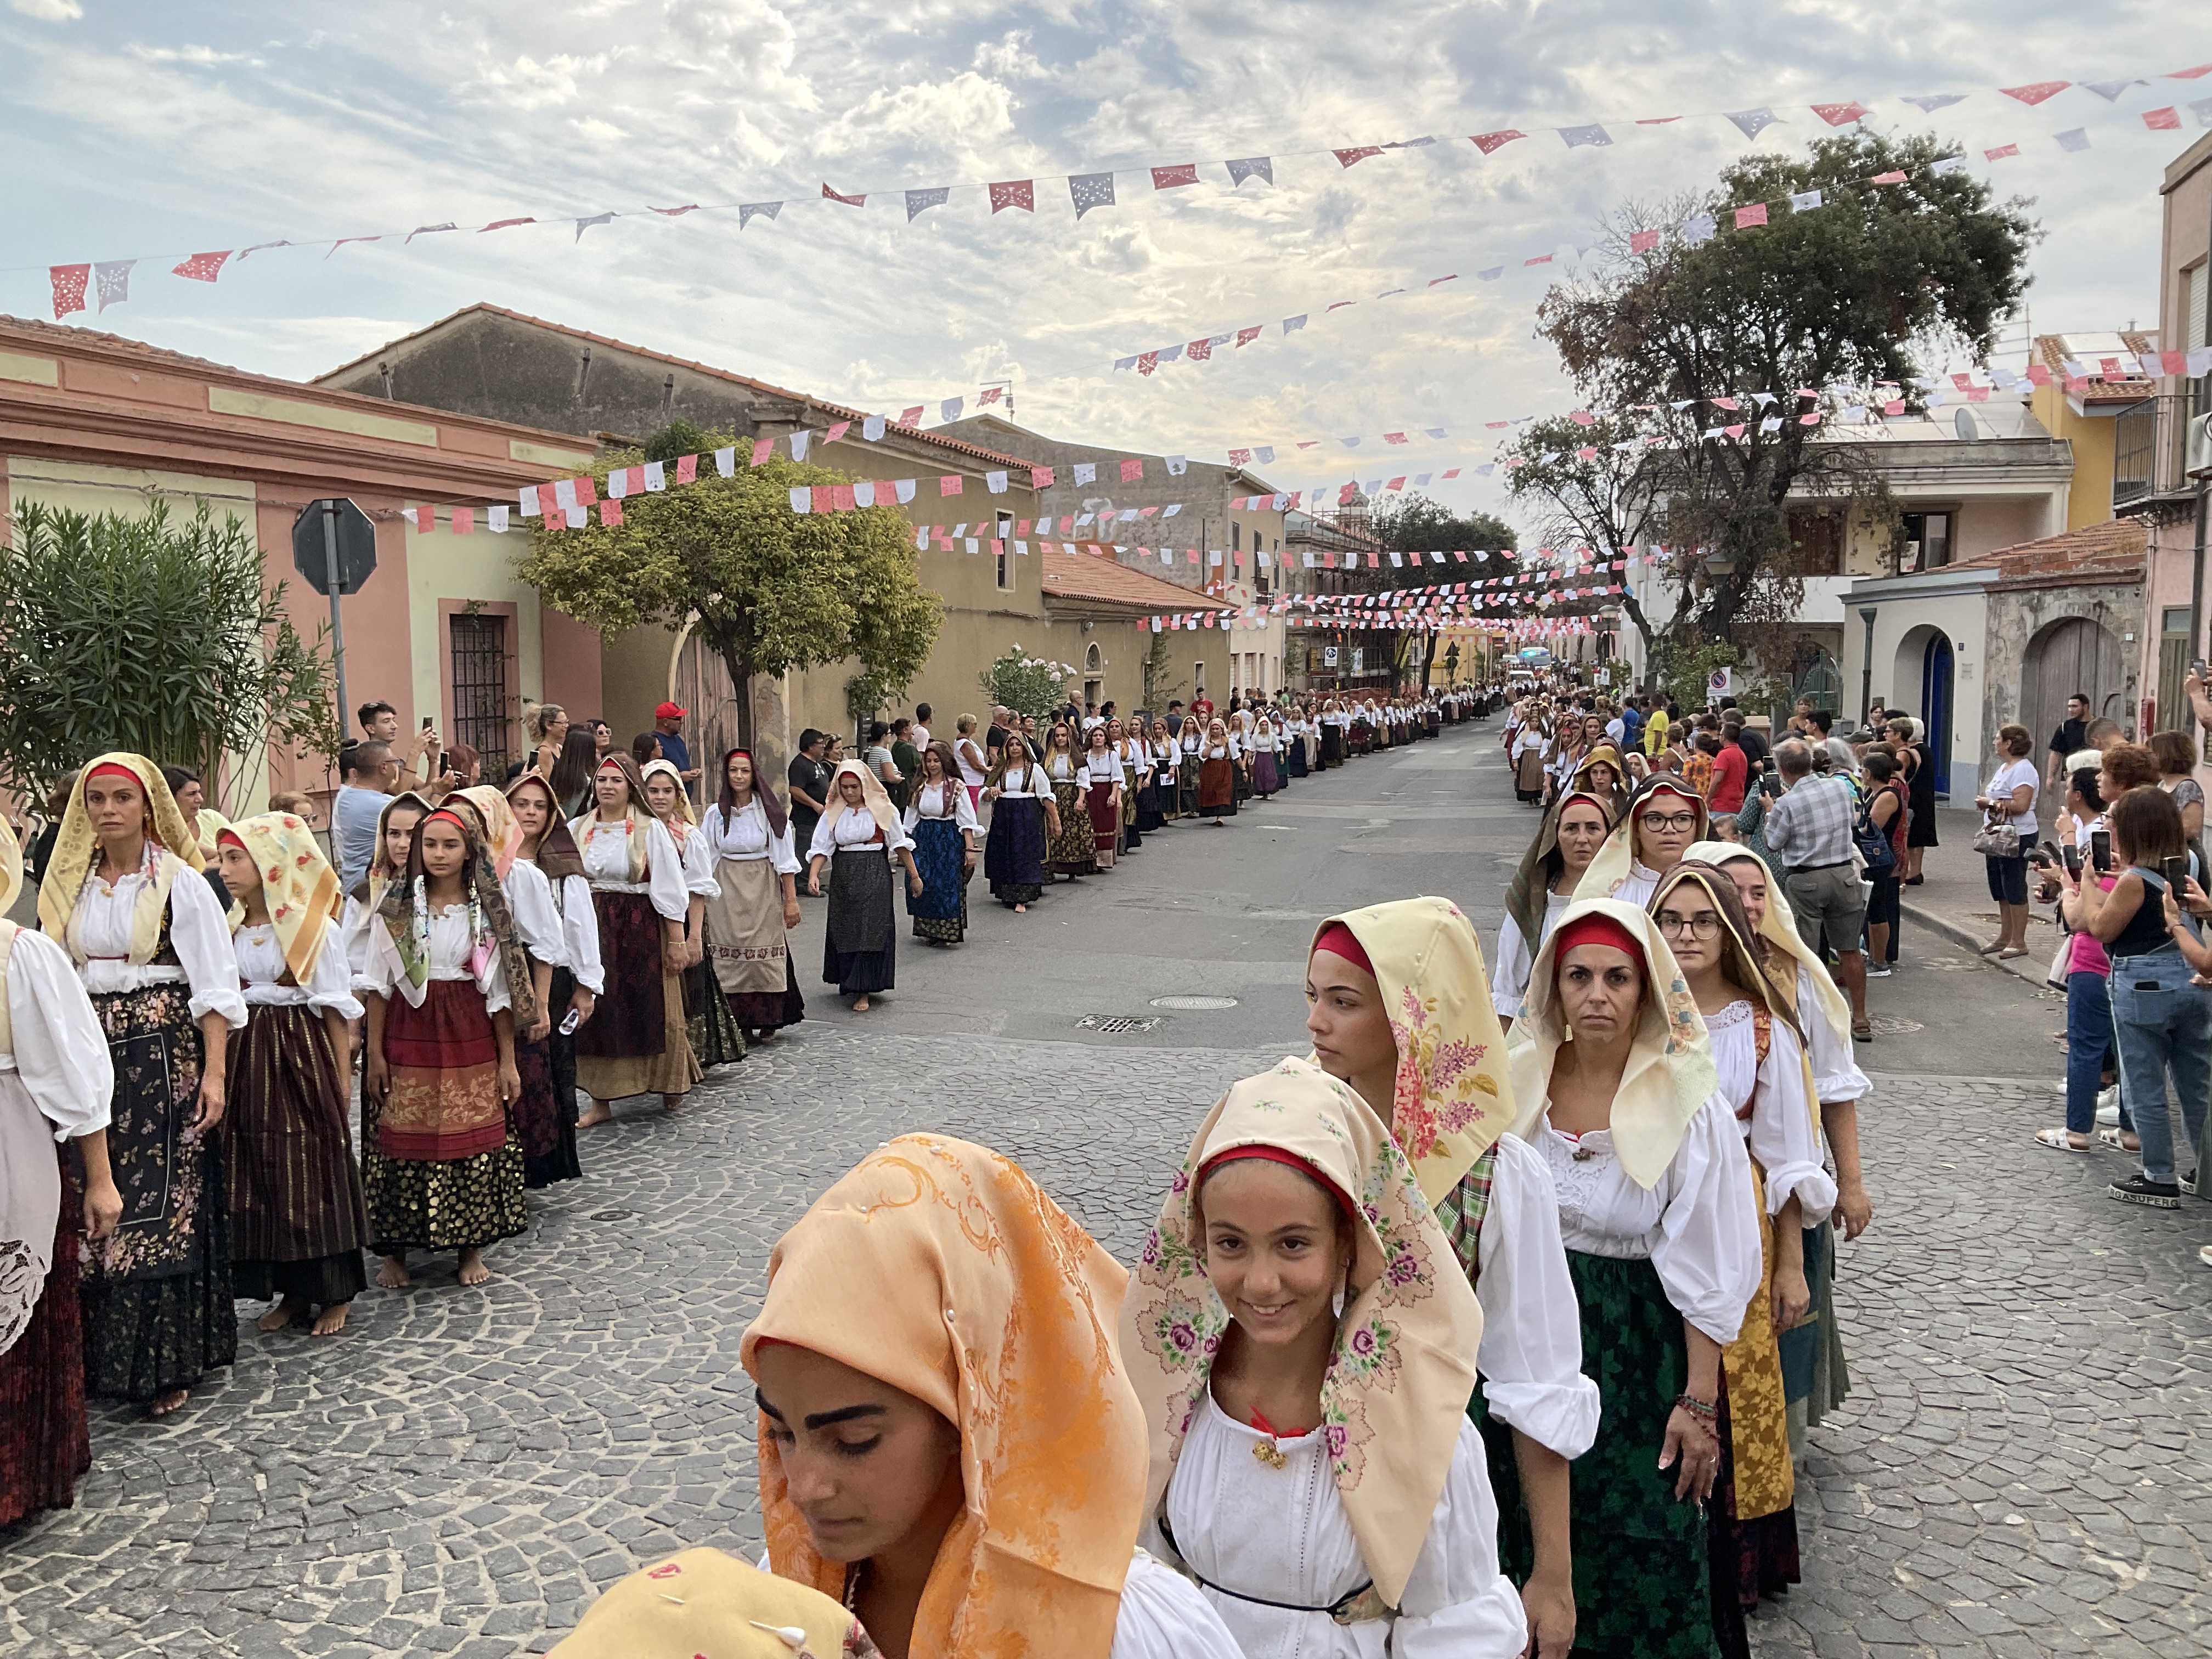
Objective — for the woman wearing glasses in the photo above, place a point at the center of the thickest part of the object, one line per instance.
(1665, 815)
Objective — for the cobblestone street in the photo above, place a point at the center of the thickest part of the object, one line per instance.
(2025, 1465)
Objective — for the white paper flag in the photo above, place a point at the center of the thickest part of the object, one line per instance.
(904, 487)
(564, 494)
(802, 498)
(527, 498)
(1177, 466)
(576, 516)
(726, 461)
(656, 475)
(872, 428)
(996, 483)
(864, 494)
(799, 443)
(497, 515)
(1086, 472)
(1170, 512)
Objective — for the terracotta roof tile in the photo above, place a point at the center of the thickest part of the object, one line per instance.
(61, 333)
(1086, 577)
(2095, 549)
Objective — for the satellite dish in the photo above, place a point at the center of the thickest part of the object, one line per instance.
(1964, 423)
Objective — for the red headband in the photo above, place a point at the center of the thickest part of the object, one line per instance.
(1681, 792)
(231, 835)
(1594, 930)
(1289, 1160)
(1583, 795)
(450, 817)
(1339, 940)
(114, 769)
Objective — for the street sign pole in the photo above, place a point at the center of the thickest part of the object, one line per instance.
(338, 620)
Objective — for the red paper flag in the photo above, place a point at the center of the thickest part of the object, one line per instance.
(1642, 241)
(1490, 143)
(2038, 374)
(201, 267)
(1240, 458)
(1722, 402)
(1358, 153)
(1586, 452)
(1583, 417)
(2163, 120)
(2000, 152)
(425, 518)
(677, 212)
(1840, 115)
(1040, 477)
(585, 493)
(611, 513)
(2191, 74)
(849, 201)
(762, 449)
(1133, 469)
(1541, 260)
(1735, 431)
(1889, 177)
(1813, 419)
(1199, 351)
(948, 483)
(549, 505)
(1894, 406)
(1014, 193)
(1393, 437)
(464, 521)
(1398, 482)
(1978, 394)
(1168, 178)
(2174, 363)
(1147, 362)
(837, 429)
(1246, 336)
(1374, 561)
(1452, 473)
(2037, 91)
(911, 418)
(502, 224)
(69, 283)
(1746, 217)
(687, 469)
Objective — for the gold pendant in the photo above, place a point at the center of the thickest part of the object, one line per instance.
(1270, 1454)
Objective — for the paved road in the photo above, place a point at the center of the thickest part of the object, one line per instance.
(2025, 1468)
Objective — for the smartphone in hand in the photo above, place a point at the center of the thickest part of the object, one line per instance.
(2100, 851)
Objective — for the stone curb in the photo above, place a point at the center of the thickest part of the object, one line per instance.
(2030, 968)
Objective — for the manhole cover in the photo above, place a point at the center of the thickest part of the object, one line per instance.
(613, 1215)
(1117, 1024)
(1946, 964)
(1193, 1004)
(1885, 1025)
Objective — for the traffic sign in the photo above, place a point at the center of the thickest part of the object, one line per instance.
(334, 533)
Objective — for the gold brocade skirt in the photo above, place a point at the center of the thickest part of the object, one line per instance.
(1758, 1415)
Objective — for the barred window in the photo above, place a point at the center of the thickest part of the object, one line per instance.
(481, 706)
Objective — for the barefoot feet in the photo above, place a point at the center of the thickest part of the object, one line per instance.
(600, 1113)
(473, 1271)
(286, 1312)
(164, 1404)
(860, 1005)
(332, 1319)
(392, 1275)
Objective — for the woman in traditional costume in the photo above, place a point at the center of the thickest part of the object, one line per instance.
(1190, 744)
(449, 984)
(1599, 774)
(56, 1087)
(1099, 781)
(1661, 1235)
(1024, 821)
(1267, 777)
(1332, 734)
(296, 1221)
(1401, 1010)
(1073, 850)
(1296, 757)
(1302, 1342)
(861, 831)
(948, 1444)
(1664, 816)
(1144, 768)
(124, 894)
(709, 1026)
(1218, 762)
(637, 1042)
(1128, 758)
(943, 827)
(1167, 801)
(1766, 1082)
(545, 1117)
(750, 920)
(1543, 887)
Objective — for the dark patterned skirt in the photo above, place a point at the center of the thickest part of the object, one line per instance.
(157, 1295)
(1187, 776)
(1652, 1580)
(545, 1115)
(438, 1204)
(940, 853)
(716, 1037)
(1074, 850)
(296, 1221)
(1013, 853)
(1298, 757)
(1816, 1379)
(860, 947)
(631, 1018)
(1332, 746)
(1149, 816)
(45, 1442)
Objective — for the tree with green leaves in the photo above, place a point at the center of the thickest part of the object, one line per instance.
(1025, 684)
(136, 633)
(767, 590)
(1809, 313)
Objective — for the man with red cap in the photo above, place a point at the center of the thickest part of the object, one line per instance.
(668, 722)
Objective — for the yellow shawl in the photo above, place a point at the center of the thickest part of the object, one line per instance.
(1403, 1367)
(1778, 928)
(1670, 1070)
(1454, 1094)
(503, 835)
(1617, 860)
(702, 1601)
(684, 812)
(874, 799)
(11, 867)
(297, 884)
(941, 1269)
(173, 843)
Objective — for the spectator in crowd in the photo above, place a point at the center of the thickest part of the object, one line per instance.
(906, 757)
(1175, 717)
(1821, 730)
(2070, 738)
(2009, 798)
(1656, 722)
(1887, 810)
(668, 722)
(1698, 767)
(549, 730)
(416, 753)
(920, 736)
(994, 737)
(1808, 834)
(2089, 1050)
(1731, 771)
(2103, 733)
(368, 776)
(645, 748)
(2177, 760)
(877, 756)
(808, 780)
(603, 738)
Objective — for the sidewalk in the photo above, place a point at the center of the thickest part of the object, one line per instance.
(1953, 903)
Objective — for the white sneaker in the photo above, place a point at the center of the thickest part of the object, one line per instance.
(2108, 1105)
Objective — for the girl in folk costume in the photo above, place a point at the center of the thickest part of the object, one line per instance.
(124, 894)
(1331, 735)
(1190, 745)
(1613, 1084)
(1297, 761)
(1542, 888)
(756, 904)
(395, 833)
(1598, 774)
(1266, 778)
(1024, 821)
(1143, 792)
(56, 1081)
(1161, 747)
(1815, 1376)
(545, 1116)
(945, 832)
(1099, 781)
(1401, 1010)
(1302, 1341)
(710, 1027)
(948, 1444)
(1073, 850)
(1527, 750)
(636, 1043)
(449, 983)
(296, 1221)
(1219, 759)
(1766, 1081)
(861, 831)
(1665, 816)
(701, 1602)
(1128, 758)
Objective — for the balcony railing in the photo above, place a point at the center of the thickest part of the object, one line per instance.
(2147, 443)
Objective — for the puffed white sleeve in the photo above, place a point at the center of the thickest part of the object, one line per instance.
(782, 852)
(1165, 1616)
(1531, 1355)
(353, 928)
(1785, 1138)
(893, 844)
(200, 933)
(580, 929)
(699, 867)
(1457, 1604)
(824, 844)
(964, 810)
(664, 873)
(493, 983)
(1708, 1255)
(380, 969)
(1836, 1074)
(330, 982)
(1510, 971)
(530, 897)
(912, 816)
(61, 1053)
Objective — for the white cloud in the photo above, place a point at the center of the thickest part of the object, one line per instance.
(51, 11)
(196, 54)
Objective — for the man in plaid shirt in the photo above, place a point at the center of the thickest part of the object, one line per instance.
(1809, 840)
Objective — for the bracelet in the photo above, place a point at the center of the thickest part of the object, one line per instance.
(1706, 1411)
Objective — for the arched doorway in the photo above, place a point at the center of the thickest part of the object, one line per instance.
(1936, 697)
(1815, 676)
(2074, 653)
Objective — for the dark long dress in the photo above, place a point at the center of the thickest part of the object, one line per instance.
(1920, 799)
(860, 947)
(545, 1115)
(940, 853)
(1013, 852)
(297, 1224)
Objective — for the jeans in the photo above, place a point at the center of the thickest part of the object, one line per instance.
(2089, 1046)
(2164, 1026)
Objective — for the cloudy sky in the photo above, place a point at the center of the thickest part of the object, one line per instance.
(134, 129)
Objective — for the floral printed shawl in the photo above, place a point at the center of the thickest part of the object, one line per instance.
(404, 908)
(1617, 860)
(297, 884)
(941, 1269)
(1454, 1094)
(172, 847)
(1403, 1368)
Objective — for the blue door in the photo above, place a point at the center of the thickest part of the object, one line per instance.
(1936, 698)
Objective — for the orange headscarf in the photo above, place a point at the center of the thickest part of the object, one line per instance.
(941, 1269)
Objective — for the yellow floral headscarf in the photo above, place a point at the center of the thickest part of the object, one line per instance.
(502, 832)
(1617, 860)
(174, 844)
(1454, 1091)
(1778, 928)
(297, 884)
(702, 1601)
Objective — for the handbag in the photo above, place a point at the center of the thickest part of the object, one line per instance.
(1876, 851)
(1997, 838)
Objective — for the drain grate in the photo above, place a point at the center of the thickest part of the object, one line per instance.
(1194, 1005)
(613, 1215)
(1117, 1024)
